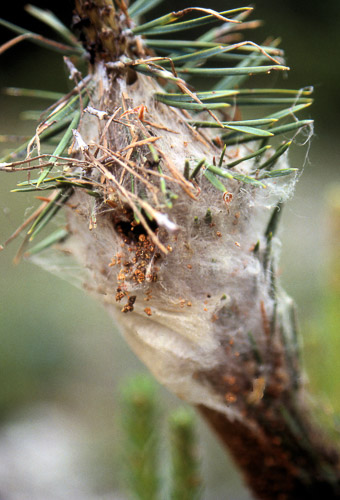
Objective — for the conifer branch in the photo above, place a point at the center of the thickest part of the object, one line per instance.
(172, 200)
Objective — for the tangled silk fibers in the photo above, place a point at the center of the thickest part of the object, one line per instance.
(204, 317)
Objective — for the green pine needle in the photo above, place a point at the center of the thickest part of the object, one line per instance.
(54, 238)
(141, 440)
(186, 477)
(270, 163)
(214, 181)
(39, 94)
(140, 7)
(49, 212)
(51, 20)
(167, 24)
(63, 144)
(41, 41)
(246, 70)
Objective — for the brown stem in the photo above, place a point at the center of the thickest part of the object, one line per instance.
(281, 455)
(102, 29)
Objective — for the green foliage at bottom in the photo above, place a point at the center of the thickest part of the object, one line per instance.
(186, 480)
(142, 428)
(141, 438)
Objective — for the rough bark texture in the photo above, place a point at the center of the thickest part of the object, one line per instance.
(279, 459)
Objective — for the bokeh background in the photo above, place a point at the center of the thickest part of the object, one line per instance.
(62, 360)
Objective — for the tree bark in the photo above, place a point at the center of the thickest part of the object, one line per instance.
(281, 456)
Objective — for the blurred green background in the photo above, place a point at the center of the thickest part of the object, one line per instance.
(62, 359)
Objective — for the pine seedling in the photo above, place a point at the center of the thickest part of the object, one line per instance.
(139, 423)
(186, 479)
(141, 426)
